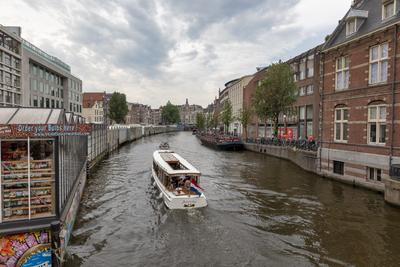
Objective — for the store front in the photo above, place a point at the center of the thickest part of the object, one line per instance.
(43, 166)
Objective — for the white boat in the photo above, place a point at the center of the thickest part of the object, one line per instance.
(177, 180)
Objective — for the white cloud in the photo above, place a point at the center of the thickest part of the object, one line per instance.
(159, 50)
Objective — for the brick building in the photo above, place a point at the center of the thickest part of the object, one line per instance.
(361, 96)
(302, 122)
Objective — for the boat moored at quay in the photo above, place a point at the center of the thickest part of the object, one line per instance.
(222, 142)
(177, 180)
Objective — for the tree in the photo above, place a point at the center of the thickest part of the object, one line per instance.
(244, 118)
(118, 107)
(275, 94)
(170, 114)
(200, 121)
(226, 114)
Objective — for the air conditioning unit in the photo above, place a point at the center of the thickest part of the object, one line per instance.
(395, 171)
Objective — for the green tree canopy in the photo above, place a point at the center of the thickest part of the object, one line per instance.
(170, 114)
(118, 107)
(245, 117)
(226, 114)
(200, 121)
(275, 94)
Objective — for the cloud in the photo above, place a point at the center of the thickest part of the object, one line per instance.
(155, 50)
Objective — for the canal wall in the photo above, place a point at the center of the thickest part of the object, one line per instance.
(310, 161)
(105, 139)
(307, 160)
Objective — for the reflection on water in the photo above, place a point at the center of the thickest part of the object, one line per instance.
(262, 211)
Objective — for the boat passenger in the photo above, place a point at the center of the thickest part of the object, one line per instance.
(187, 184)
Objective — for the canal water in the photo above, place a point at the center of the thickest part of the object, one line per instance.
(262, 212)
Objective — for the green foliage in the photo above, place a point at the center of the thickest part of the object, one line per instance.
(276, 93)
(226, 114)
(118, 107)
(209, 121)
(200, 121)
(170, 114)
(245, 117)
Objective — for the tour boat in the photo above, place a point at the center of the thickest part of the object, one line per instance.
(164, 146)
(177, 180)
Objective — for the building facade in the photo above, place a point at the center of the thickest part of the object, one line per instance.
(361, 95)
(304, 120)
(188, 113)
(10, 68)
(93, 107)
(39, 79)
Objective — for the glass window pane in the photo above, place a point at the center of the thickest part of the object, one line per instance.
(384, 50)
(345, 131)
(346, 79)
(374, 73)
(382, 133)
(345, 114)
(374, 52)
(338, 114)
(302, 113)
(372, 113)
(382, 113)
(339, 80)
(14, 168)
(384, 71)
(372, 132)
(309, 129)
(337, 131)
(42, 178)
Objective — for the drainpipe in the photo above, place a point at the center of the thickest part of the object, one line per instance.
(393, 96)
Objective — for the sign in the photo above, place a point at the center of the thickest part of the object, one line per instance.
(43, 130)
(26, 250)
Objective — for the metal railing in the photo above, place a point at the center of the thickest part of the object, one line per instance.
(301, 144)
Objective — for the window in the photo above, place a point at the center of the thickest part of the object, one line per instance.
(7, 78)
(17, 99)
(374, 174)
(47, 103)
(8, 97)
(41, 87)
(309, 117)
(388, 9)
(1, 96)
(342, 73)
(351, 26)
(310, 89)
(35, 101)
(377, 124)
(303, 69)
(338, 167)
(41, 72)
(27, 179)
(310, 66)
(33, 85)
(378, 66)
(7, 59)
(42, 102)
(341, 124)
(302, 91)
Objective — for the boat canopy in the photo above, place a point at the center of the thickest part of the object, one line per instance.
(166, 157)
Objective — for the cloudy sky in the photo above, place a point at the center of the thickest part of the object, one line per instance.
(159, 50)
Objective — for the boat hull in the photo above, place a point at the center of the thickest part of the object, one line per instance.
(179, 202)
(229, 146)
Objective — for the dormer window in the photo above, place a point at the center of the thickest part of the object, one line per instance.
(351, 26)
(388, 9)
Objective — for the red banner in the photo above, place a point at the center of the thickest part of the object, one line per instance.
(43, 130)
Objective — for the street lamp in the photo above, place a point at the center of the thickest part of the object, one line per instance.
(285, 125)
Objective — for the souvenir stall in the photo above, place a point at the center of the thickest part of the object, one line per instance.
(42, 175)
